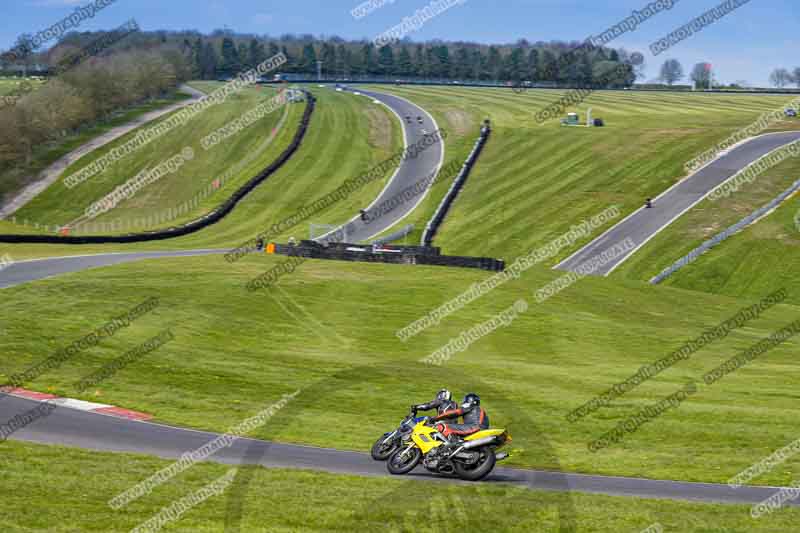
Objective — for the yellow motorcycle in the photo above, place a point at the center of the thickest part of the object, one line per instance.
(472, 458)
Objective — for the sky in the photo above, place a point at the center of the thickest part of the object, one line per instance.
(747, 44)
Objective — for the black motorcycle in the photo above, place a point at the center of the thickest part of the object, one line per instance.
(390, 442)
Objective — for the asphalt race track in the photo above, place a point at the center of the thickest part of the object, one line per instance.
(645, 223)
(71, 427)
(411, 171)
(24, 271)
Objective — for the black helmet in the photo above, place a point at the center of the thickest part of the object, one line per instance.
(444, 395)
(471, 400)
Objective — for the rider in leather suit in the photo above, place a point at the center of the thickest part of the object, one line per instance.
(475, 418)
(443, 402)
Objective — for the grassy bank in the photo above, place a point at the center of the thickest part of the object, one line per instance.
(60, 489)
(318, 324)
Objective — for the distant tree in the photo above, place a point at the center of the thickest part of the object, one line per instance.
(478, 63)
(442, 62)
(781, 77)
(328, 57)
(342, 66)
(584, 71)
(420, 62)
(386, 60)
(494, 63)
(244, 57)
(701, 75)
(431, 63)
(637, 62)
(368, 63)
(603, 70)
(308, 62)
(671, 71)
(197, 54)
(23, 51)
(405, 67)
(548, 71)
(622, 75)
(209, 62)
(256, 53)
(461, 67)
(796, 76)
(289, 57)
(515, 64)
(273, 49)
(533, 65)
(230, 57)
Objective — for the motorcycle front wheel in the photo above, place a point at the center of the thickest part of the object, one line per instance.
(479, 470)
(404, 461)
(383, 449)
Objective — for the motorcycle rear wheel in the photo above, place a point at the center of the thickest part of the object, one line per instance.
(399, 464)
(479, 471)
(381, 451)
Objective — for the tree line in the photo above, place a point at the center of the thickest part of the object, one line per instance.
(224, 53)
(228, 54)
(782, 77)
(84, 95)
(701, 74)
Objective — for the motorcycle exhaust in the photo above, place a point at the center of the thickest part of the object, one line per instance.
(478, 443)
(501, 456)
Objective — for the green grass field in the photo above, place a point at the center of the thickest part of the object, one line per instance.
(64, 490)
(329, 328)
(14, 179)
(11, 85)
(244, 154)
(532, 182)
(763, 256)
(246, 348)
(325, 160)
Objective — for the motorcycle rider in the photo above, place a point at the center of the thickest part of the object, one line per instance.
(474, 418)
(442, 403)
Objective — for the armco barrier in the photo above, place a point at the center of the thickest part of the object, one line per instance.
(720, 237)
(441, 212)
(396, 236)
(211, 218)
(551, 86)
(403, 255)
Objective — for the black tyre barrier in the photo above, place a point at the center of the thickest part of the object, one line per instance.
(441, 212)
(399, 255)
(211, 218)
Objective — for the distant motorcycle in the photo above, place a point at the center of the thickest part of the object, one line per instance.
(390, 442)
(472, 458)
